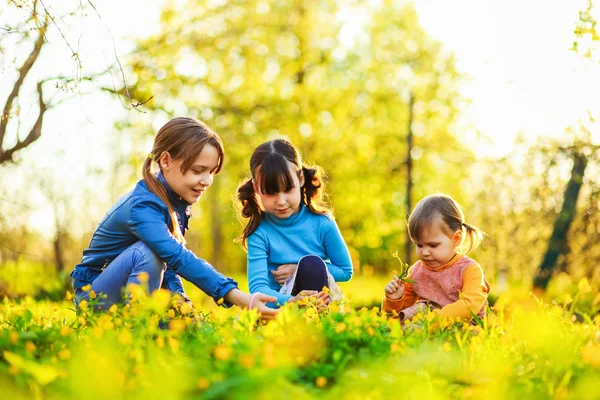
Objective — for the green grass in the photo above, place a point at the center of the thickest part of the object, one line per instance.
(150, 349)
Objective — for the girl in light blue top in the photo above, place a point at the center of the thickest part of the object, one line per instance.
(291, 237)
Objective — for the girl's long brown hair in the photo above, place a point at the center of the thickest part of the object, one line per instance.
(273, 158)
(183, 138)
(431, 209)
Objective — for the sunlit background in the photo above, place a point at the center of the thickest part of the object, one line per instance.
(514, 85)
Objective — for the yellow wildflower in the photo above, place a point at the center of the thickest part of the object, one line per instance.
(113, 309)
(246, 361)
(395, 347)
(370, 331)
(321, 381)
(68, 296)
(171, 313)
(203, 383)
(64, 354)
(83, 305)
(86, 288)
(222, 352)
(125, 337)
(13, 337)
(176, 325)
(30, 347)
(92, 294)
(447, 347)
(160, 342)
(185, 308)
(143, 277)
(220, 301)
(340, 327)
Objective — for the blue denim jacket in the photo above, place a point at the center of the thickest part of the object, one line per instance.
(141, 215)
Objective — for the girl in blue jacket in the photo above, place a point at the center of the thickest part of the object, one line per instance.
(143, 232)
(291, 237)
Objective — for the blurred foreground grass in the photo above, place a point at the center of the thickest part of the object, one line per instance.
(154, 349)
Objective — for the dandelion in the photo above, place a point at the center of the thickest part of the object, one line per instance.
(321, 382)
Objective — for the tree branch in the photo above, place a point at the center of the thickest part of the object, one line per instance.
(23, 71)
(33, 135)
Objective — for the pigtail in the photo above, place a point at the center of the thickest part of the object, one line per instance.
(473, 236)
(313, 190)
(250, 209)
(158, 189)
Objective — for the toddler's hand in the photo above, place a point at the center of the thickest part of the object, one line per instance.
(395, 289)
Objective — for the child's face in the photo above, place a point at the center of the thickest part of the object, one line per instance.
(282, 204)
(435, 247)
(197, 179)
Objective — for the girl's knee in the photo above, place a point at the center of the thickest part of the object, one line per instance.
(312, 262)
(146, 260)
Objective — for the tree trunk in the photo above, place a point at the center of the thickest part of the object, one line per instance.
(409, 182)
(557, 245)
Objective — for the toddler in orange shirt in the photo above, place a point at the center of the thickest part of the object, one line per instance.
(444, 279)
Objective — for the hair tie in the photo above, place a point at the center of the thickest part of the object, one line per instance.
(252, 300)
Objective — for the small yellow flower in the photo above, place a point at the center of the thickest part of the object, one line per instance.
(86, 288)
(92, 294)
(143, 277)
(83, 305)
(395, 347)
(160, 342)
(203, 383)
(447, 347)
(220, 301)
(222, 352)
(185, 308)
(64, 354)
(370, 331)
(30, 347)
(125, 337)
(173, 343)
(13, 337)
(13, 370)
(246, 361)
(113, 309)
(325, 290)
(340, 327)
(68, 296)
(321, 381)
(171, 313)
(177, 325)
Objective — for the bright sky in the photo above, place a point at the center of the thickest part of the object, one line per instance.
(524, 78)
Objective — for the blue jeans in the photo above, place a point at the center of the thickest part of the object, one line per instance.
(123, 270)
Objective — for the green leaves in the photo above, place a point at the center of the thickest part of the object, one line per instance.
(403, 269)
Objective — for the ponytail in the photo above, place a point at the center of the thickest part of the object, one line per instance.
(472, 238)
(158, 189)
(313, 190)
(250, 209)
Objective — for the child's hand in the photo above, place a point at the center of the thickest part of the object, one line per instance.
(304, 294)
(395, 289)
(283, 272)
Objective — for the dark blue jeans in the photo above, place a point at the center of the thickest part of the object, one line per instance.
(311, 274)
(123, 270)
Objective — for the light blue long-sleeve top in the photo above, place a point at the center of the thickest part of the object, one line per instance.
(279, 241)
